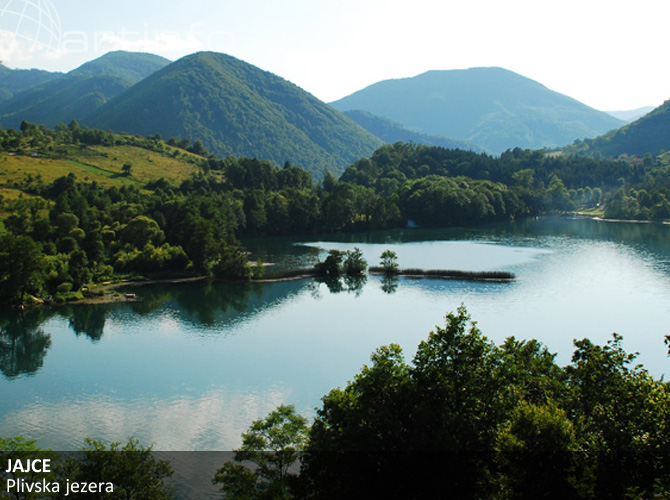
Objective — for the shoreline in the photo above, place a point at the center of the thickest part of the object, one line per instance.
(630, 221)
(110, 296)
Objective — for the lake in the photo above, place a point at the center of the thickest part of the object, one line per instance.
(190, 366)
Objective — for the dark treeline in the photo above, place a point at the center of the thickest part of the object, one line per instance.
(67, 233)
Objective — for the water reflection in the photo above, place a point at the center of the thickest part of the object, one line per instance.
(209, 307)
(389, 283)
(23, 343)
(88, 321)
(202, 302)
(349, 284)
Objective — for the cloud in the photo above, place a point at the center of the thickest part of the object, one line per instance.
(13, 49)
(163, 42)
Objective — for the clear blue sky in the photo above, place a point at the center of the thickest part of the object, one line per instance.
(607, 54)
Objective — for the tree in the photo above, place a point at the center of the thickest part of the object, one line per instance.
(535, 453)
(273, 444)
(332, 266)
(127, 169)
(620, 413)
(20, 448)
(21, 266)
(132, 468)
(232, 264)
(142, 230)
(354, 263)
(389, 262)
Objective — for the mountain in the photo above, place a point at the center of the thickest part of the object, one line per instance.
(75, 95)
(492, 107)
(235, 108)
(631, 114)
(13, 81)
(392, 132)
(649, 134)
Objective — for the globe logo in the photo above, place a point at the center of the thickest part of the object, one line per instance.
(31, 24)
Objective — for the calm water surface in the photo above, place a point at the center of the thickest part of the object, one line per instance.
(190, 366)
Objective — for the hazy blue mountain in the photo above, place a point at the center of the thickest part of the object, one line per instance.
(631, 114)
(13, 81)
(492, 107)
(235, 108)
(75, 95)
(649, 134)
(392, 132)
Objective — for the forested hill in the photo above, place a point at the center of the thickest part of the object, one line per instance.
(13, 81)
(75, 95)
(492, 107)
(647, 135)
(238, 109)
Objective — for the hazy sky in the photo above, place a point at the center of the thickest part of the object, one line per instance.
(607, 54)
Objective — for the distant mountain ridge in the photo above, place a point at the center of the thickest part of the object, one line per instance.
(392, 132)
(492, 107)
(631, 114)
(235, 108)
(75, 95)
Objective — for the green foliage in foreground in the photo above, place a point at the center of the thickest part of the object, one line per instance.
(132, 469)
(273, 445)
(493, 422)
(471, 419)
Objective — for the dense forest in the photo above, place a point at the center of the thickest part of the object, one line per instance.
(62, 235)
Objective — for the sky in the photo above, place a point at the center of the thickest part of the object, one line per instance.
(607, 54)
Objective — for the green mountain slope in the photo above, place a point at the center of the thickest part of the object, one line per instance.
(492, 107)
(649, 134)
(13, 81)
(392, 132)
(77, 94)
(235, 108)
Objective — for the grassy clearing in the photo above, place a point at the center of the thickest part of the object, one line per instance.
(101, 164)
(146, 165)
(592, 212)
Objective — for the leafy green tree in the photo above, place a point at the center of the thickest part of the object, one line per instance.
(79, 269)
(141, 231)
(332, 266)
(20, 448)
(132, 468)
(536, 452)
(21, 267)
(620, 414)
(273, 445)
(389, 262)
(354, 263)
(232, 264)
